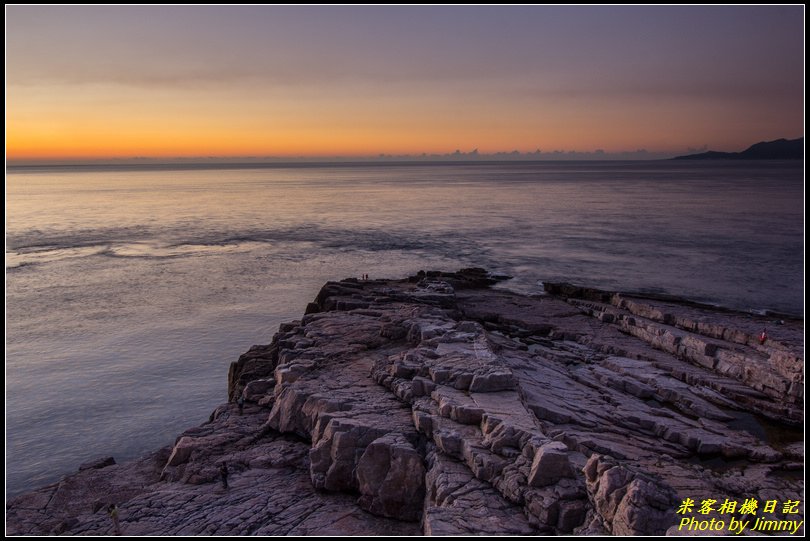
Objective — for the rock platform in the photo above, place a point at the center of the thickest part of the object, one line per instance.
(439, 405)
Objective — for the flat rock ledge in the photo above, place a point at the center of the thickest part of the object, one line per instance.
(439, 405)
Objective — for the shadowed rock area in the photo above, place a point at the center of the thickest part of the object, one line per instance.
(442, 406)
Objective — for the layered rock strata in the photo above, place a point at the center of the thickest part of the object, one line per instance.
(439, 405)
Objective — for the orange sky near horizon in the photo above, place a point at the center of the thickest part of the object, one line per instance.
(77, 90)
(125, 122)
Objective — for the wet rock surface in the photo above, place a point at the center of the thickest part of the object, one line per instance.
(439, 405)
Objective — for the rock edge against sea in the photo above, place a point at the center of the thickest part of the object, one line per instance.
(439, 405)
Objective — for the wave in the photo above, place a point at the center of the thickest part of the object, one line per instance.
(157, 251)
(37, 247)
(26, 258)
(18, 265)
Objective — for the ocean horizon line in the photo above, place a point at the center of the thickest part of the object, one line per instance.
(307, 163)
(174, 165)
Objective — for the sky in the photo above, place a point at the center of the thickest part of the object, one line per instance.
(91, 82)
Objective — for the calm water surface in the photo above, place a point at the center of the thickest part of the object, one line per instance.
(129, 290)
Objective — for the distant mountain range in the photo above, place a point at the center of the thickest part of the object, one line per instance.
(781, 149)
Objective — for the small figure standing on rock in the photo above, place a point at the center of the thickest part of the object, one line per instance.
(112, 510)
(241, 404)
(223, 473)
(763, 336)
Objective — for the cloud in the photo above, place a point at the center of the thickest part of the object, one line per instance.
(700, 89)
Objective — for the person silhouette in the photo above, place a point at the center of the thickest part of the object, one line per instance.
(112, 510)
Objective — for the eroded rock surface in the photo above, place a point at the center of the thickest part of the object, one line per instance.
(437, 405)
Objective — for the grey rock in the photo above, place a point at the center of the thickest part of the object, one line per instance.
(629, 502)
(550, 465)
(257, 389)
(98, 463)
(436, 405)
(391, 478)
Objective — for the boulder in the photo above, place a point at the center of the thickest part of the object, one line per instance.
(391, 478)
(550, 464)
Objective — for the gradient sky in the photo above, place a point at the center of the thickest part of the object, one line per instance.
(100, 82)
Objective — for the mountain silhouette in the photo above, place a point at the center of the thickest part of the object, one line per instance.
(781, 149)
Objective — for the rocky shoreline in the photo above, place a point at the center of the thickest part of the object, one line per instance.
(439, 405)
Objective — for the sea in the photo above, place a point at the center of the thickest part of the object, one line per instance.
(130, 289)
